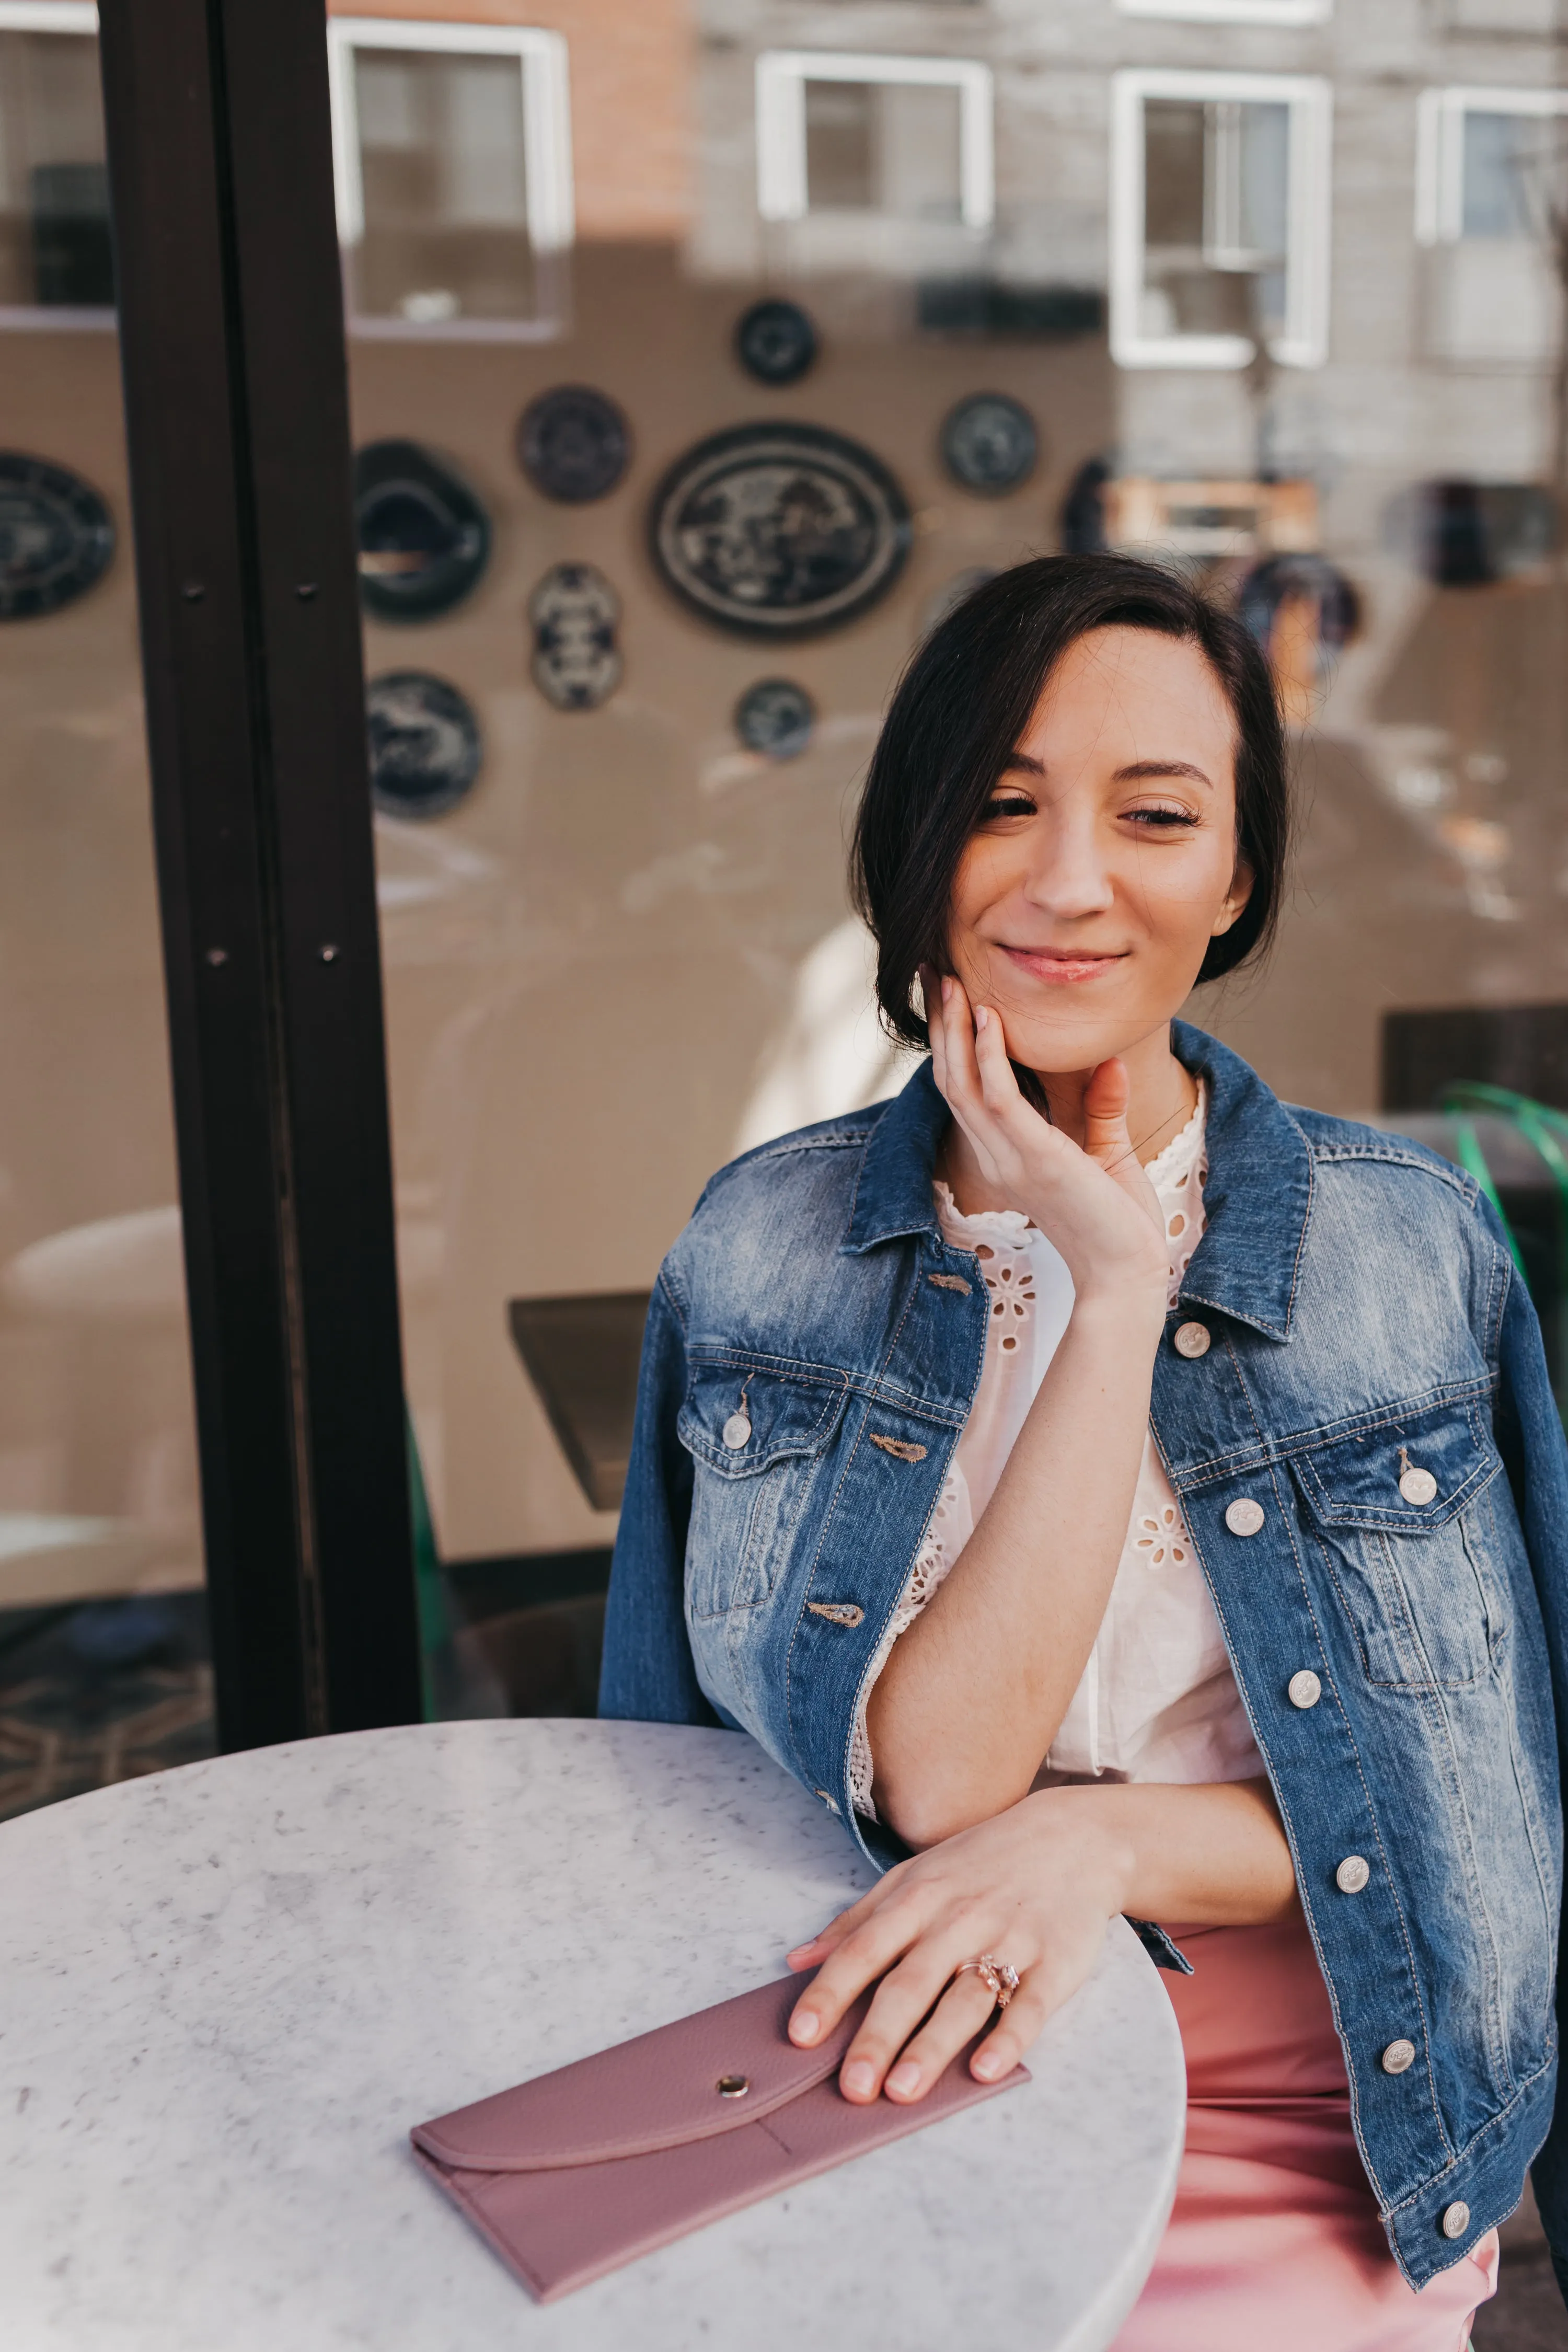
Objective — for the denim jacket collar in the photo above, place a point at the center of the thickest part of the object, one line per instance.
(1257, 1198)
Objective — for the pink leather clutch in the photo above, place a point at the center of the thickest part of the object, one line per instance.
(578, 2171)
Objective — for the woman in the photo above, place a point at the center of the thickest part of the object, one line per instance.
(1109, 1491)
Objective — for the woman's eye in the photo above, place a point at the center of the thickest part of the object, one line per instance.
(1163, 819)
(1009, 804)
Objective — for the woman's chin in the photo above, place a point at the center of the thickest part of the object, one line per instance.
(1068, 1047)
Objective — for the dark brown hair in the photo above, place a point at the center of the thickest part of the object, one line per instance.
(961, 707)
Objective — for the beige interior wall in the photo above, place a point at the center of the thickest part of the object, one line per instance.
(96, 1418)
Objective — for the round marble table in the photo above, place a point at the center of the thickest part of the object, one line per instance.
(226, 1992)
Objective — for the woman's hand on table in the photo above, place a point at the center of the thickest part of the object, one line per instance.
(1035, 1887)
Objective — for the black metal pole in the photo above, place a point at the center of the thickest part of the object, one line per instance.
(236, 416)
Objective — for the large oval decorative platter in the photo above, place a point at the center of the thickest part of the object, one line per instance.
(779, 530)
(56, 536)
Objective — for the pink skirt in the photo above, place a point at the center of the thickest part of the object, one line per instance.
(1275, 2238)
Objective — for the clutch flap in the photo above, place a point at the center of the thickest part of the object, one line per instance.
(689, 2081)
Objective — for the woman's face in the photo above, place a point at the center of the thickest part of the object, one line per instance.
(1105, 859)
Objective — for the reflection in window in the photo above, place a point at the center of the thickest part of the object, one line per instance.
(1234, 12)
(55, 253)
(1491, 186)
(454, 176)
(897, 138)
(1220, 231)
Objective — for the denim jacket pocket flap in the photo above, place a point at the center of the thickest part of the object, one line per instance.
(1407, 1479)
(740, 1420)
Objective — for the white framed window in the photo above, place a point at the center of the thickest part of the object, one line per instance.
(1220, 187)
(452, 150)
(1234, 12)
(55, 255)
(886, 137)
(1491, 179)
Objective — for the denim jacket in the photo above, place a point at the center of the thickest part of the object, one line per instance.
(813, 1350)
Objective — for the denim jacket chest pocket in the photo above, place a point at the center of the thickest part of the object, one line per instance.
(756, 1435)
(1401, 1515)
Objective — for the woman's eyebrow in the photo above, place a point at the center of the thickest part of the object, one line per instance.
(1141, 771)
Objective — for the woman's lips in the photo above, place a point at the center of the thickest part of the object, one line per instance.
(1059, 970)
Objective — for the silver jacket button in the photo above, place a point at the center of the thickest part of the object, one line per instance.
(1191, 1341)
(1349, 1878)
(1398, 2058)
(1455, 2219)
(1304, 1689)
(735, 1431)
(1418, 1486)
(1244, 1517)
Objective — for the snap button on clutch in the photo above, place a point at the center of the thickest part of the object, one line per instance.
(733, 2087)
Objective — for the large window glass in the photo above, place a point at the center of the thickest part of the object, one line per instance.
(102, 1642)
(55, 265)
(858, 315)
(453, 171)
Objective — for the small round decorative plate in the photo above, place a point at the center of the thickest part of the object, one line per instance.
(989, 444)
(56, 536)
(576, 660)
(779, 530)
(1309, 580)
(776, 718)
(425, 746)
(573, 444)
(424, 538)
(775, 341)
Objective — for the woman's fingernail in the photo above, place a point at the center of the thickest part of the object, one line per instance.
(904, 2078)
(861, 2076)
(803, 2026)
(801, 1949)
(980, 1017)
(946, 987)
(987, 2065)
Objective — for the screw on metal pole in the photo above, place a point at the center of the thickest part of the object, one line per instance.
(218, 955)
(193, 591)
(329, 953)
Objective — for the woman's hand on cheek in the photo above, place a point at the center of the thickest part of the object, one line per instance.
(1096, 1203)
(1034, 1887)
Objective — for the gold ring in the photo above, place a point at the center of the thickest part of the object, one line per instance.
(999, 1977)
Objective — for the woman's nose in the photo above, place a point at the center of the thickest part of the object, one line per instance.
(1072, 876)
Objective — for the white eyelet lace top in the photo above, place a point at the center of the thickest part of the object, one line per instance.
(1157, 1700)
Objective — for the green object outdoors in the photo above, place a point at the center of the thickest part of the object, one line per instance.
(1547, 1131)
(435, 1625)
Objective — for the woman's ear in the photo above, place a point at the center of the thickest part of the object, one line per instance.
(1236, 899)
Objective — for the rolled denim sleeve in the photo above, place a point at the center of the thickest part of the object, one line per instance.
(1530, 1438)
(648, 1675)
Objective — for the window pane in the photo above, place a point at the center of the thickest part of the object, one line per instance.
(54, 192)
(103, 1666)
(1508, 161)
(883, 147)
(446, 201)
(1215, 215)
(841, 146)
